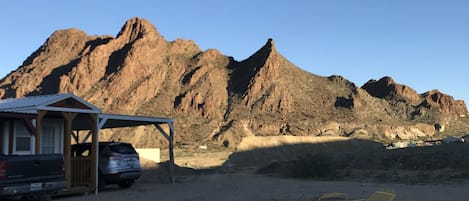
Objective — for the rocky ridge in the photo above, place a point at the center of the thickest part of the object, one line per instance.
(217, 99)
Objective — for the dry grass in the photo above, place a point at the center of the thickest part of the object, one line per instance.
(198, 158)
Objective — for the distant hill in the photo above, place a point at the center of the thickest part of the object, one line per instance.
(216, 99)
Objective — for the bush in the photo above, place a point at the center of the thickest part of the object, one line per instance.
(319, 166)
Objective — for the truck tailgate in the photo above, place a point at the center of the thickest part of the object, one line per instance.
(33, 168)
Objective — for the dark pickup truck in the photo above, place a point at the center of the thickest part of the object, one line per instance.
(31, 176)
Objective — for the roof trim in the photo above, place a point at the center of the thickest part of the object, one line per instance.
(136, 118)
(16, 115)
(28, 109)
(64, 109)
(120, 121)
(70, 95)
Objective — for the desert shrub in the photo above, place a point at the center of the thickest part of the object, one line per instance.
(318, 166)
(419, 158)
(413, 164)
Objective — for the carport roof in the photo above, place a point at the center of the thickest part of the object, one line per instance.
(120, 121)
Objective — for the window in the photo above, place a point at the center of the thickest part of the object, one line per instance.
(22, 142)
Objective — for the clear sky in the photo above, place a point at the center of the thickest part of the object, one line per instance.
(420, 43)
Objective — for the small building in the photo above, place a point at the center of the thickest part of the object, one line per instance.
(52, 123)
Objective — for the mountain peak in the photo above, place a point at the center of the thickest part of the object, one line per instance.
(387, 88)
(270, 43)
(268, 48)
(388, 80)
(265, 59)
(136, 28)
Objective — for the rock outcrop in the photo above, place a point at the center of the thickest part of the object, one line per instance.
(435, 100)
(388, 89)
(412, 102)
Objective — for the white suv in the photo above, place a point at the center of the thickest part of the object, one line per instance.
(119, 163)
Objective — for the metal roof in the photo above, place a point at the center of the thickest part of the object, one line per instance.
(32, 104)
(117, 120)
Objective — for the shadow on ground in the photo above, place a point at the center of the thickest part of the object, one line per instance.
(353, 159)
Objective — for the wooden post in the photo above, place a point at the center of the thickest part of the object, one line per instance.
(171, 151)
(40, 116)
(68, 116)
(94, 152)
(170, 139)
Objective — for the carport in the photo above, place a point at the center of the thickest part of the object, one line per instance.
(106, 121)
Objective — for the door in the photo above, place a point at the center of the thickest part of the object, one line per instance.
(52, 136)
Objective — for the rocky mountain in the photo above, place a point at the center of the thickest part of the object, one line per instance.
(216, 99)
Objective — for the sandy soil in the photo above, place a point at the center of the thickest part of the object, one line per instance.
(245, 186)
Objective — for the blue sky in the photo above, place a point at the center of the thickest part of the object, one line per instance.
(423, 44)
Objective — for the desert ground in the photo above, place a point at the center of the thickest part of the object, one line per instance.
(242, 187)
(197, 180)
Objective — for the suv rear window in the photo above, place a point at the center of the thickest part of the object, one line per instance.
(123, 148)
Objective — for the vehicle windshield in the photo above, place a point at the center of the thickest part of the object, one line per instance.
(123, 148)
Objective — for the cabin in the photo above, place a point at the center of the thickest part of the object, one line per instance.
(52, 123)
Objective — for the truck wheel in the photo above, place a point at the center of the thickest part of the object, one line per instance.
(126, 183)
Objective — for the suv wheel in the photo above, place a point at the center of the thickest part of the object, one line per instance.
(126, 183)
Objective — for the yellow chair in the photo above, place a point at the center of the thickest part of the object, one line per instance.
(380, 196)
(333, 196)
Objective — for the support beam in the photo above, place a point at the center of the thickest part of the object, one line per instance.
(170, 139)
(102, 122)
(76, 136)
(28, 123)
(171, 151)
(100, 125)
(86, 137)
(162, 131)
(94, 152)
(68, 116)
(40, 116)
